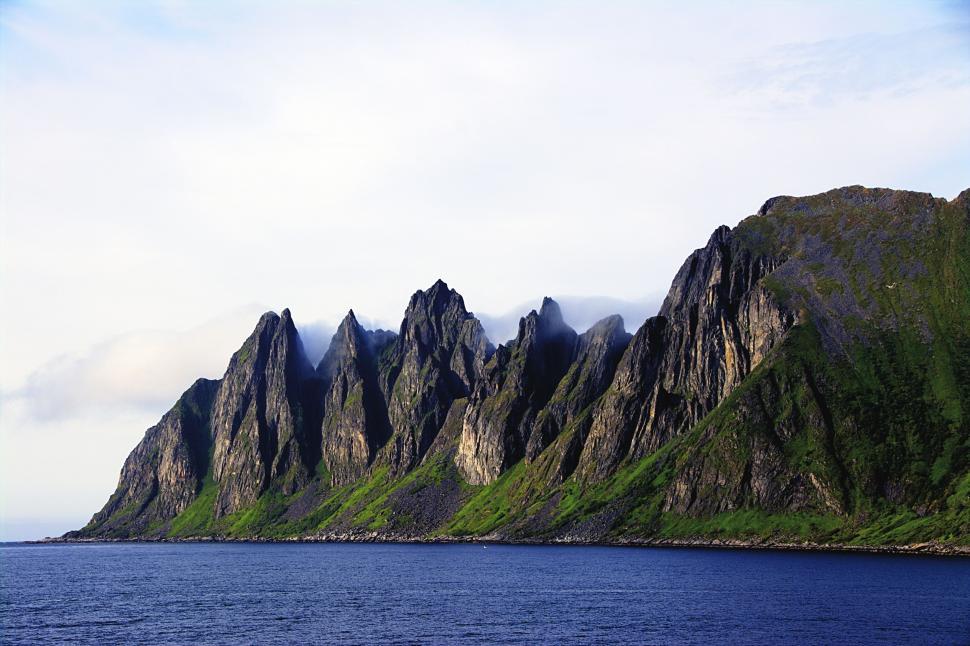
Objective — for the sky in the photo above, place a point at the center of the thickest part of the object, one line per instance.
(170, 170)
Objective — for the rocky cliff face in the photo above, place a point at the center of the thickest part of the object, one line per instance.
(716, 324)
(260, 426)
(438, 357)
(355, 423)
(806, 375)
(754, 452)
(518, 383)
(598, 352)
(164, 473)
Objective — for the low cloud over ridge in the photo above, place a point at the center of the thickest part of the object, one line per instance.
(138, 370)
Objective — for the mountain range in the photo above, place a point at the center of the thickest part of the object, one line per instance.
(806, 381)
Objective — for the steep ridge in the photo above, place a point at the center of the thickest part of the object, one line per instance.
(805, 379)
(717, 322)
(163, 474)
(864, 406)
(598, 352)
(355, 423)
(438, 357)
(261, 428)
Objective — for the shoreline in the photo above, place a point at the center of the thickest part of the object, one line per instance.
(914, 549)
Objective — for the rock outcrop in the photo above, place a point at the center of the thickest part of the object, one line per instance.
(598, 352)
(519, 381)
(438, 357)
(717, 322)
(262, 432)
(754, 453)
(164, 473)
(355, 423)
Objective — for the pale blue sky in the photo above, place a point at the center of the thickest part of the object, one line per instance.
(170, 170)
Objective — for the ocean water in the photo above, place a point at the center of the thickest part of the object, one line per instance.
(240, 593)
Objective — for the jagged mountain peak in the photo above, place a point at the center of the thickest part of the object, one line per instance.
(437, 302)
(440, 285)
(719, 235)
(351, 330)
(272, 331)
(348, 340)
(271, 320)
(519, 381)
(550, 312)
(433, 317)
(437, 358)
(436, 298)
(607, 326)
(545, 322)
(258, 423)
(963, 199)
(354, 417)
(349, 322)
(732, 399)
(267, 321)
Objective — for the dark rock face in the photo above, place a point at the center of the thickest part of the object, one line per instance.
(355, 423)
(438, 357)
(163, 474)
(598, 352)
(716, 324)
(519, 381)
(260, 429)
(754, 469)
(812, 357)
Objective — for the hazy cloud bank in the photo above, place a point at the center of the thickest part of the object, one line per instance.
(140, 370)
(580, 312)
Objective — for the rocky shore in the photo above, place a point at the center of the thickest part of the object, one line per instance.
(929, 548)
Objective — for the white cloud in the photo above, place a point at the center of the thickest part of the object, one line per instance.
(137, 371)
(579, 312)
(870, 66)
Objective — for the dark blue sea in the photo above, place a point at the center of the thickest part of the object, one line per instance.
(467, 594)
